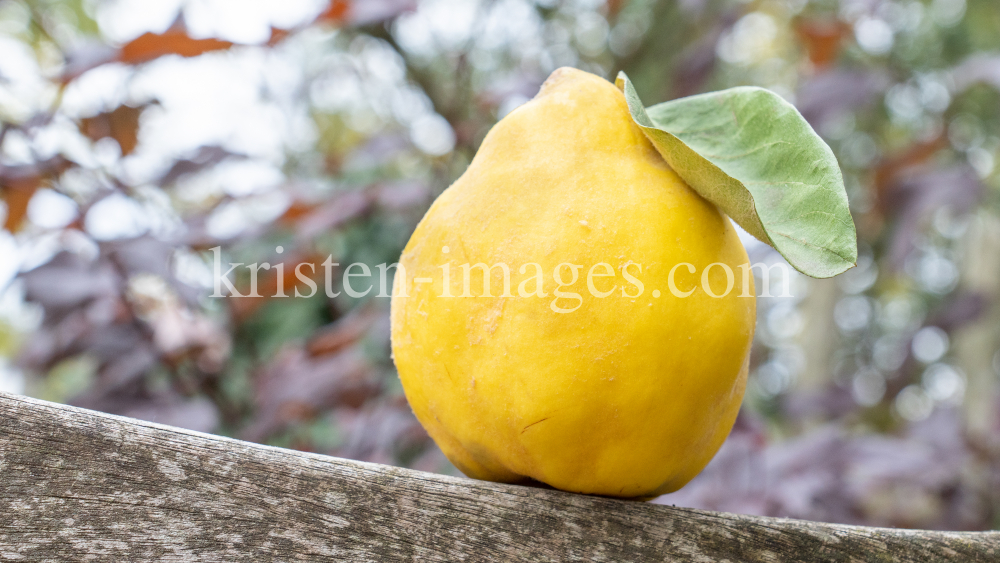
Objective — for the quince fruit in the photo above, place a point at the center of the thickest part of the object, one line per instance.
(584, 364)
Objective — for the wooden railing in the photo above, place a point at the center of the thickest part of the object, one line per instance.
(77, 485)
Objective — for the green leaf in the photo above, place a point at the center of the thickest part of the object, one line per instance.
(751, 153)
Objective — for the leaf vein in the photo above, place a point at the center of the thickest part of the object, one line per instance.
(733, 157)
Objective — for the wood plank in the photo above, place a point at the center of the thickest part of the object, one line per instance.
(78, 485)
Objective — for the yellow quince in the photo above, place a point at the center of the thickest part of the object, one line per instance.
(604, 355)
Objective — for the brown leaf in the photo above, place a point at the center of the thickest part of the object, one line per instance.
(821, 38)
(278, 35)
(145, 48)
(335, 12)
(17, 198)
(120, 124)
(174, 41)
(244, 306)
(19, 183)
(313, 220)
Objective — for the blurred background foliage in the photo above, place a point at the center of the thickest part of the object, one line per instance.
(138, 135)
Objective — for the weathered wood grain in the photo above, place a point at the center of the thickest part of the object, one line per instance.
(77, 485)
